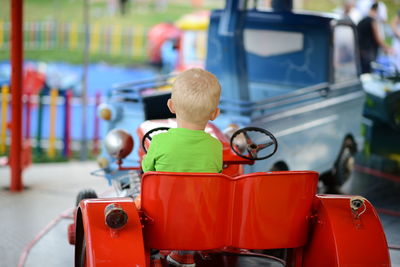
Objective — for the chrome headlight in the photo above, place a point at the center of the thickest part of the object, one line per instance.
(118, 143)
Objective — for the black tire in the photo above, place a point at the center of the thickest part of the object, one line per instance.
(83, 254)
(345, 166)
(342, 169)
(80, 242)
(85, 194)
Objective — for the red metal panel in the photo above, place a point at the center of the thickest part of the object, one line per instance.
(274, 209)
(340, 239)
(208, 211)
(102, 242)
(186, 211)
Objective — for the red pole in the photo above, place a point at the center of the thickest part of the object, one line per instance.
(96, 125)
(16, 92)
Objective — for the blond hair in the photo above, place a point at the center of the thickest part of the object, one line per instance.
(195, 95)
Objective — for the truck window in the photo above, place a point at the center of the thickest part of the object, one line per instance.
(267, 43)
(344, 57)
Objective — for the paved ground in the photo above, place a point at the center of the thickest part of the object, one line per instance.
(52, 191)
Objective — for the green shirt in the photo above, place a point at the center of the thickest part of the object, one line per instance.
(184, 150)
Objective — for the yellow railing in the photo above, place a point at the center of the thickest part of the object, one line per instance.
(114, 39)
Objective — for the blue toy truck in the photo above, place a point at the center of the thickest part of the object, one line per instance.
(295, 74)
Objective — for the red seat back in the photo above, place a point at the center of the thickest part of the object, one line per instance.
(197, 211)
(273, 209)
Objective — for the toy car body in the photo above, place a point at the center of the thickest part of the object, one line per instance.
(230, 219)
(295, 74)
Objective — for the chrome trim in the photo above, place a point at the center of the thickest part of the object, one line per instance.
(349, 83)
(307, 125)
(310, 107)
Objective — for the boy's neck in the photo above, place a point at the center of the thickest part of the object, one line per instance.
(189, 125)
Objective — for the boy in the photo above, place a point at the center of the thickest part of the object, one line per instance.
(187, 148)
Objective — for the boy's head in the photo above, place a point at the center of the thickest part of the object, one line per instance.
(195, 96)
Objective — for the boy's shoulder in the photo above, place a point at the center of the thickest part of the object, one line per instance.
(160, 136)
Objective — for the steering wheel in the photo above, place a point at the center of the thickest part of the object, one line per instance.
(148, 136)
(251, 147)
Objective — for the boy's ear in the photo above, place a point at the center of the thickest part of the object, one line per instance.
(215, 114)
(171, 106)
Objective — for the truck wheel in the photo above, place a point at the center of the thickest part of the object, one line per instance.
(85, 194)
(342, 169)
(344, 165)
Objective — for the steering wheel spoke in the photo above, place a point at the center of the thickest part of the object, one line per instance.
(248, 139)
(263, 146)
(252, 152)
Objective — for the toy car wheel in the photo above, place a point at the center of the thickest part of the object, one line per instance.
(85, 194)
(244, 140)
(81, 261)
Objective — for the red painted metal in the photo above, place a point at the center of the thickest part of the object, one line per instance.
(219, 212)
(238, 212)
(340, 239)
(197, 211)
(16, 90)
(101, 241)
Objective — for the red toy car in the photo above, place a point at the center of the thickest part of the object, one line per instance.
(230, 219)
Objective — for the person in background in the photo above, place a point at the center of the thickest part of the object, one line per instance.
(349, 12)
(364, 6)
(369, 39)
(123, 6)
(396, 39)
